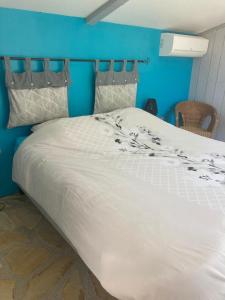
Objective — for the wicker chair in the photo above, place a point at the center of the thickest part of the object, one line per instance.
(193, 114)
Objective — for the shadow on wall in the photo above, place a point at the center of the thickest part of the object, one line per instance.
(170, 115)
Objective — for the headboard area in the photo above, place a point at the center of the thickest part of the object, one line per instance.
(31, 34)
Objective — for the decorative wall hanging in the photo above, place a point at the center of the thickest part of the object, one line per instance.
(36, 97)
(115, 90)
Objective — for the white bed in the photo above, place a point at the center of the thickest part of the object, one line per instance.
(143, 202)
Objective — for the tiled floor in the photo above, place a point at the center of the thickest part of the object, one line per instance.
(36, 263)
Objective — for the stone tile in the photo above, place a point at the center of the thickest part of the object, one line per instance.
(14, 200)
(9, 237)
(73, 289)
(21, 260)
(3, 272)
(5, 222)
(43, 283)
(50, 235)
(7, 289)
(24, 259)
(24, 216)
(16, 196)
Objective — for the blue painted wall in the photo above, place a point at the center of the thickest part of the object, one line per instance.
(26, 33)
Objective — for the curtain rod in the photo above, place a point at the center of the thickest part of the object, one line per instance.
(142, 61)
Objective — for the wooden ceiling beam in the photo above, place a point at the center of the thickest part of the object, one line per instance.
(104, 10)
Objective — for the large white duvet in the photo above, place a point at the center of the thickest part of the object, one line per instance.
(143, 202)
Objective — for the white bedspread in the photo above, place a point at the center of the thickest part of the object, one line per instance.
(143, 202)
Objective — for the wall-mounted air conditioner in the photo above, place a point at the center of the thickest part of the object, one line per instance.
(182, 45)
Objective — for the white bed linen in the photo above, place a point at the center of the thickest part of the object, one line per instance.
(147, 227)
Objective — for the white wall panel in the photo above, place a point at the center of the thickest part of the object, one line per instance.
(194, 78)
(208, 76)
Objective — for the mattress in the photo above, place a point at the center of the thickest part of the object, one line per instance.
(142, 201)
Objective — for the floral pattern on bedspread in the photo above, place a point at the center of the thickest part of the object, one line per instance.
(209, 167)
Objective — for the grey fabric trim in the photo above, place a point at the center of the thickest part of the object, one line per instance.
(36, 80)
(116, 78)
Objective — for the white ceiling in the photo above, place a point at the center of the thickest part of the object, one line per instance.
(178, 15)
(78, 8)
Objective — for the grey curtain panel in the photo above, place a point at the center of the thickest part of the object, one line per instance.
(36, 97)
(115, 90)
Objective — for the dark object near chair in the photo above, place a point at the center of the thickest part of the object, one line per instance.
(193, 114)
(151, 107)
